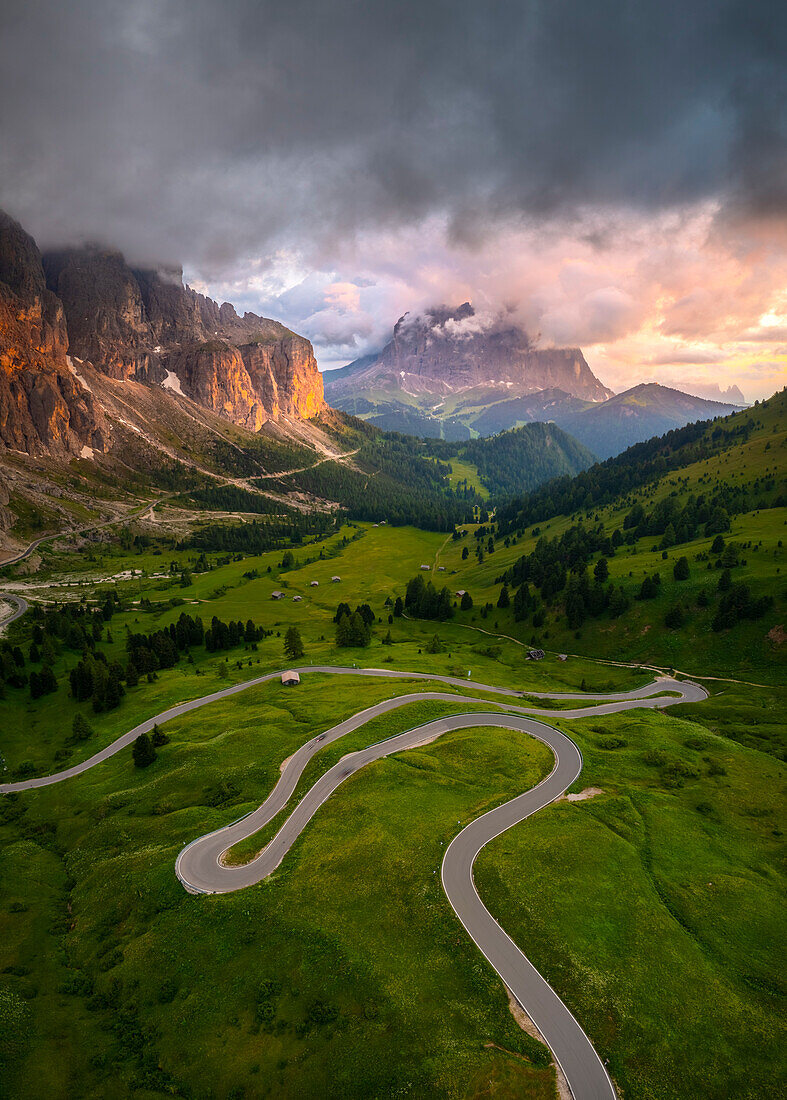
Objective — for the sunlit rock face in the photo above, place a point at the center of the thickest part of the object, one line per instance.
(446, 351)
(43, 405)
(89, 305)
(147, 325)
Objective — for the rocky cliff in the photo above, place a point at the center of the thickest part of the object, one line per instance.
(445, 368)
(88, 305)
(445, 351)
(146, 325)
(43, 406)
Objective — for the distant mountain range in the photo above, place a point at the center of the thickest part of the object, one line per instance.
(451, 374)
(636, 415)
(712, 391)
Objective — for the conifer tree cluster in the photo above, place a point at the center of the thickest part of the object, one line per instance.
(353, 628)
(424, 601)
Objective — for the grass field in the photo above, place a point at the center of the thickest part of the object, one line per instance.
(298, 982)
(462, 470)
(357, 998)
(653, 908)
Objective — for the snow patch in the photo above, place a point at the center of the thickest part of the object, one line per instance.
(128, 424)
(172, 382)
(86, 452)
(72, 368)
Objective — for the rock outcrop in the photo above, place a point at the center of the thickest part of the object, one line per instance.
(88, 305)
(43, 406)
(146, 325)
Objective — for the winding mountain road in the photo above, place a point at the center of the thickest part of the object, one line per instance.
(200, 869)
(21, 605)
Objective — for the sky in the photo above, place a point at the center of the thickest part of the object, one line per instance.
(614, 174)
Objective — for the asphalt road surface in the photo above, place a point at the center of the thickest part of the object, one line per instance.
(19, 603)
(81, 531)
(200, 869)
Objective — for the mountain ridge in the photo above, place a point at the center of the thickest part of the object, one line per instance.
(87, 304)
(639, 413)
(437, 360)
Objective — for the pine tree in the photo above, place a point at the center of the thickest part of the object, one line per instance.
(467, 602)
(681, 571)
(81, 729)
(48, 681)
(674, 617)
(343, 633)
(293, 646)
(503, 600)
(601, 572)
(143, 752)
(618, 602)
(158, 737)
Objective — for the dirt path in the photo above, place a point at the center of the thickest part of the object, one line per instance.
(662, 670)
(438, 552)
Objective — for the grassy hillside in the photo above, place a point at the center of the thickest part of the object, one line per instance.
(653, 907)
(287, 988)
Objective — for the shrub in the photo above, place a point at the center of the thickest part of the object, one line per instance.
(654, 758)
(680, 570)
(674, 617)
(143, 751)
(321, 1012)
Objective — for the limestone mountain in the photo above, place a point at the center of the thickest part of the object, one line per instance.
(43, 408)
(146, 325)
(443, 369)
(74, 311)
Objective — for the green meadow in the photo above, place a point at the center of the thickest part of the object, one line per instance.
(654, 908)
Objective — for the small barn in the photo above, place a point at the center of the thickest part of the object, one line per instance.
(562, 656)
(461, 592)
(297, 599)
(315, 584)
(290, 679)
(535, 654)
(335, 580)
(441, 569)
(425, 567)
(277, 595)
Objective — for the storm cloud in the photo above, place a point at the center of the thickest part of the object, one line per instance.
(341, 161)
(205, 131)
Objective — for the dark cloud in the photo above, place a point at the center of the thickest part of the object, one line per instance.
(207, 131)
